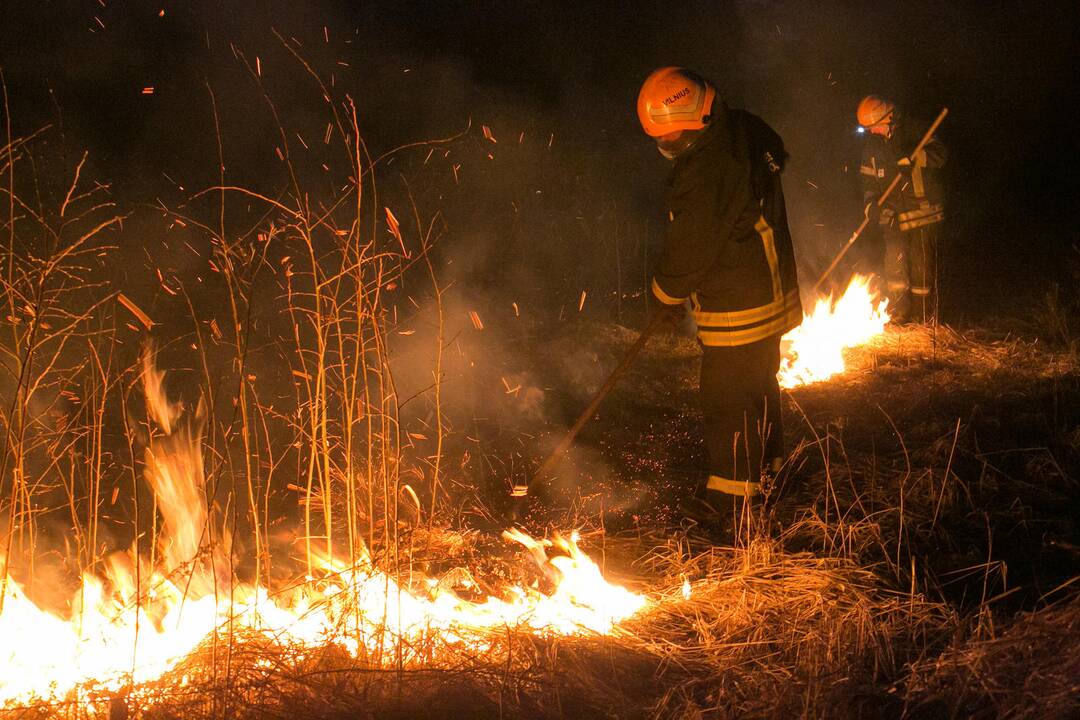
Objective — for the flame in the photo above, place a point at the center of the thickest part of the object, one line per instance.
(135, 624)
(110, 641)
(814, 351)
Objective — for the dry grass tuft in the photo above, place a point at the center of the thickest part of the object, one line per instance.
(1031, 669)
(766, 632)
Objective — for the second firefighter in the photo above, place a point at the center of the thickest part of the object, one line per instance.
(911, 218)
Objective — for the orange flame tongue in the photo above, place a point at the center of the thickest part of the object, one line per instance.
(814, 351)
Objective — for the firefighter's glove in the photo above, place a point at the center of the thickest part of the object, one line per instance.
(669, 317)
(904, 166)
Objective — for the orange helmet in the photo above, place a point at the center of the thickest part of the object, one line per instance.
(673, 99)
(876, 114)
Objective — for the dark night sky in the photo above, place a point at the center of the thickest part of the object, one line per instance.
(1007, 73)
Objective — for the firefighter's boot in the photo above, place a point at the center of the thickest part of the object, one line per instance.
(900, 307)
(714, 514)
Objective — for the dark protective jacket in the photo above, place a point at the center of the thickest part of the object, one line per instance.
(918, 201)
(728, 246)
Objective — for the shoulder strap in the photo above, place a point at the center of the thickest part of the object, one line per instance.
(765, 150)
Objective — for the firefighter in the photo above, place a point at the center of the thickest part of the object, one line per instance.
(911, 217)
(727, 252)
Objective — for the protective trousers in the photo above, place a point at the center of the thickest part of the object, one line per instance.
(740, 401)
(910, 271)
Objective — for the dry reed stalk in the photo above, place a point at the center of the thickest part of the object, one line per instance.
(53, 328)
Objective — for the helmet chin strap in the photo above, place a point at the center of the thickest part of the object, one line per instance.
(672, 149)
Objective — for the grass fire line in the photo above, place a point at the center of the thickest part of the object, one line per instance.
(128, 628)
(125, 629)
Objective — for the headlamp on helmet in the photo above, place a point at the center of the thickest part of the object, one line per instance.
(876, 115)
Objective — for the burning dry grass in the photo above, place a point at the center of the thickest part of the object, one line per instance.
(750, 631)
(762, 633)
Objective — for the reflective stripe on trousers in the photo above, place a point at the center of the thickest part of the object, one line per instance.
(733, 487)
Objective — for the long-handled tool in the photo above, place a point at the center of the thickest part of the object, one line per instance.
(521, 489)
(880, 201)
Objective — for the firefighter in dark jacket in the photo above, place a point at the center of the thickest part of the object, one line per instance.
(911, 218)
(727, 251)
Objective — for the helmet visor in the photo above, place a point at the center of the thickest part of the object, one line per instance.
(675, 144)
